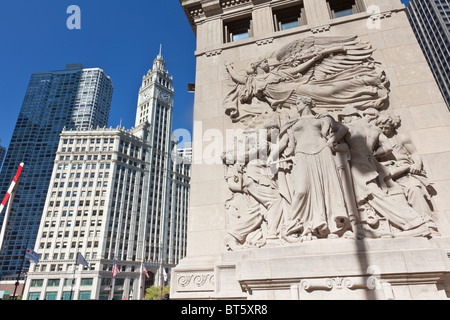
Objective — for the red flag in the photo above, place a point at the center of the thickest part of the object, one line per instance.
(115, 269)
(145, 271)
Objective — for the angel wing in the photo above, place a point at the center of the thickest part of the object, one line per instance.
(339, 54)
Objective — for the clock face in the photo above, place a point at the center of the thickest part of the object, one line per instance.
(164, 96)
(145, 96)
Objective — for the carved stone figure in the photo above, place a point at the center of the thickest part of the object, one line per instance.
(333, 71)
(318, 206)
(406, 168)
(372, 182)
(315, 177)
(261, 204)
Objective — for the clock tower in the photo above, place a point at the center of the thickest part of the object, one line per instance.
(155, 102)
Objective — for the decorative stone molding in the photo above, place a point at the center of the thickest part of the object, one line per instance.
(382, 15)
(211, 7)
(198, 281)
(195, 13)
(338, 283)
(264, 41)
(232, 3)
(321, 29)
(213, 53)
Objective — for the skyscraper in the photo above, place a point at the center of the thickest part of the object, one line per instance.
(430, 21)
(76, 98)
(115, 195)
(2, 154)
(179, 204)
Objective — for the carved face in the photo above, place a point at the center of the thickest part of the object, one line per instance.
(265, 65)
(301, 105)
(387, 128)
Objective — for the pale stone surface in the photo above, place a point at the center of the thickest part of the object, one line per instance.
(437, 165)
(338, 269)
(406, 267)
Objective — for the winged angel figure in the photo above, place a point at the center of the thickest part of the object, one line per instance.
(333, 71)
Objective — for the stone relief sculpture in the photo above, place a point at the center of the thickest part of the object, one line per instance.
(333, 71)
(256, 200)
(406, 168)
(373, 184)
(296, 173)
(317, 206)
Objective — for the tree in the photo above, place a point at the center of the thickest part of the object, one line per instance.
(154, 293)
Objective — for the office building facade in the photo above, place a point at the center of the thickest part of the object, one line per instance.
(430, 21)
(96, 205)
(75, 98)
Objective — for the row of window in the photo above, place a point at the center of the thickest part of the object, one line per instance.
(48, 224)
(81, 203)
(289, 17)
(37, 283)
(85, 140)
(66, 295)
(66, 234)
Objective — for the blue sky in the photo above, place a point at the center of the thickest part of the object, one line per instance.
(121, 37)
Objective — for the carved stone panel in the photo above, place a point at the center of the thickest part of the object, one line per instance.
(318, 156)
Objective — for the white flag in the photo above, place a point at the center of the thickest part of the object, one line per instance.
(81, 260)
(31, 255)
(164, 274)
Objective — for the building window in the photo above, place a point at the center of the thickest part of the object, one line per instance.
(68, 295)
(69, 282)
(289, 17)
(37, 283)
(238, 30)
(34, 295)
(342, 8)
(85, 295)
(53, 283)
(87, 281)
(51, 295)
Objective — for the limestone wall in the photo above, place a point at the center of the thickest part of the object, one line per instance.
(414, 96)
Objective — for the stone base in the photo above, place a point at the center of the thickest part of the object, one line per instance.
(399, 268)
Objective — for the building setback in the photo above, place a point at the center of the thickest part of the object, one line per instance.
(75, 98)
(430, 21)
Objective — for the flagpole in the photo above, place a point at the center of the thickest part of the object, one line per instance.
(6, 218)
(110, 284)
(73, 278)
(112, 277)
(142, 288)
(161, 278)
(9, 197)
(20, 271)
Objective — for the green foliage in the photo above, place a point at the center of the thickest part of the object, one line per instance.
(154, 293)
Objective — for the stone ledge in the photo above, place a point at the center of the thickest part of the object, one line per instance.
(410, 268)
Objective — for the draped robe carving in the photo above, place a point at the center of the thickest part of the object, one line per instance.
(323, 178)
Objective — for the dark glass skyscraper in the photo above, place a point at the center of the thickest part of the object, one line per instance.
(430, 21)
(75, 98)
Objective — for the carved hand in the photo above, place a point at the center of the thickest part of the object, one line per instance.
(416, 168)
